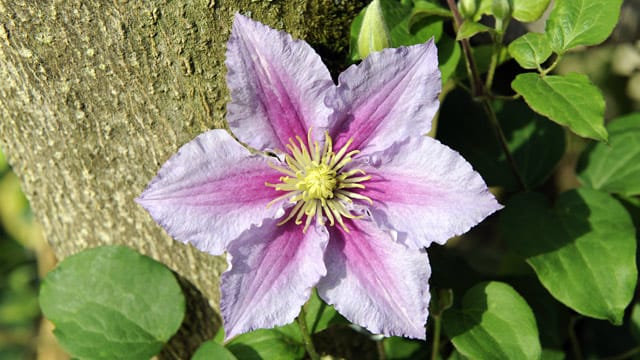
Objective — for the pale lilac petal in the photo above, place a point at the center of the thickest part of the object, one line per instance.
(425, 192)
(277, 86)
(392, 94)
(272, 270)
(211, 191)
(375, 282)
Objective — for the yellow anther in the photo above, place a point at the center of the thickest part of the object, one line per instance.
(316, 184)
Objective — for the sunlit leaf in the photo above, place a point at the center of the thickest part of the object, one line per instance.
(581, 22)
(570, 100)
(530, 50)
(615, 166)
(112, 303)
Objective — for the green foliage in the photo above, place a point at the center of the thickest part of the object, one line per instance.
(530, 50)
(581, 22)
(583, 249)
(471, 28)
(212, 350)
(536, 144)
(112, 303)
(282, 343)
(493, 322)
(615, 167)
(403, 28)
(570, 100)
(529, 10)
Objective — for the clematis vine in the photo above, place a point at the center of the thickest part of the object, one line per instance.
(344, 193)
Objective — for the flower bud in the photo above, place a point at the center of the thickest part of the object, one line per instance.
(467, 8)
(501, 9)
(374, 35)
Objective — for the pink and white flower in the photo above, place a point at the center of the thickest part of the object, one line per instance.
(343, 195)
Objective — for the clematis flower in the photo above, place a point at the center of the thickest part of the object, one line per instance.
(343, 194)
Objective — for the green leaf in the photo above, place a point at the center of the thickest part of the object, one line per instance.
(321, 315)
(397, 348)
(112, 303)
(494, 322)
(281, 343)
(614, 167)
(570, 100)
(530, 50)
(529, 10)
(449, 55)
(581, 22)
(552, 354)
(582, 250)
(212, 350)
(423, 9)
(537, 144)
(470, 28)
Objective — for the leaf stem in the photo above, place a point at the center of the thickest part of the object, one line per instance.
(488, 109)
(497, 48)
(435, 348)
(552, 66)
(306, 337)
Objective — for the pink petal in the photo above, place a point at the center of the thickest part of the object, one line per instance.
(375, 282)
(277, 86)
(272, 270)
(210, 191)
(392, 94)
(425, 192)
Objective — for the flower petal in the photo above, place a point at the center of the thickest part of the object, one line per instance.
(426, 192)
(392, 94)
(375, 282)
(272, 270)
(212, 190)
(277, 86)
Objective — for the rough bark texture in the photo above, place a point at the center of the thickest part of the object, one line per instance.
(96, 95)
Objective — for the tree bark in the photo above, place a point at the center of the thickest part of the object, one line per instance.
(96, 95)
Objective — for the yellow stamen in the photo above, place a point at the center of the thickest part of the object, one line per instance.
(315, 182)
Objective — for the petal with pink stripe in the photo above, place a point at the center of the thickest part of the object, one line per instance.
(391, 95)
(211, 191)
(277, 86)
(376, 282)
(425, 192)
(272, 270)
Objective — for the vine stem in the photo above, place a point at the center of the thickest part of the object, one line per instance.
(306, 337)
(488, 109)
(480, 93)
(575, 344)
(436, 337)
(477, 87)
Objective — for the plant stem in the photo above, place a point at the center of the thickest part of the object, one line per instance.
(436, 337)
(477, 88)
(497, 47)
(575, 345)
(486, 105)
(306, 337)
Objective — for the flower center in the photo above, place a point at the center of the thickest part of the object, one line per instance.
(317, 183)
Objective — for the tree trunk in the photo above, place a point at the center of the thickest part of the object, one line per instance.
(96, 95)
